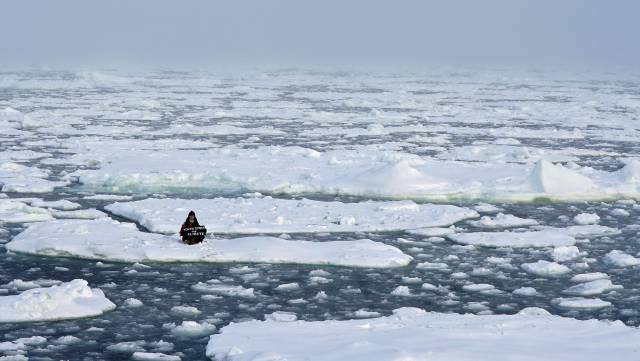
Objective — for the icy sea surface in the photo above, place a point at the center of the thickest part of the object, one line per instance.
(69, 121)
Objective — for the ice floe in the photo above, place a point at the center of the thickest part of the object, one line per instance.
(580, 303)
(592, 288)
(587, 277)
(295, 170)
(502, 220)
(545, 268)
(12, 211)
(411, 333)
(68, 300)
(565, 253)
(19, 178)
(269, 215)
(545, 237)
(621, 259)
(104, 239)
(586, 218)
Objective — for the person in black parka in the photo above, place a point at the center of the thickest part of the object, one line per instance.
(191, 231)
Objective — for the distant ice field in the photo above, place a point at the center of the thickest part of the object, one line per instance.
(329, 197)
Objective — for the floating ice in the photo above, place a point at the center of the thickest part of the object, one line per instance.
(185, 310)
(545, 237)
(432, 232)
(621, 259)
(281, 316)
(586, 218)
(80, 214)
(191, 329)
(587, 277)
(295, 170)
(545, 268)
(21, 285)
(361, 313)
(580, 303)
(23, 179)
(153, 356)
(63, 204)
(591, 288)
(132, 302)
(19, 212)
(504, 153)
(478, 287)
(109, 197)
(401, 291)
(218, 288)
(269, 215)
(542, 238)
(66, 301)
(288, 286)
(104, 239)
(525, 291)
(565, 253)
(415, 334)
(502, 220)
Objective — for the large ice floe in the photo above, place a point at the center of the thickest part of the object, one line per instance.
(545, 237)
(295, 170)
(68, 300)
(105, 239)
(269, 215)
(413, 334)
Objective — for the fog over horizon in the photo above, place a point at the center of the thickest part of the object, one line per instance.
(146, 33)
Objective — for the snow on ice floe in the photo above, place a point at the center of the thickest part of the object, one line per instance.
(105, 239)
(14, 211)
(19, 178)
(621, 259)
(295, 170)
(502, 220)
(592, 288)
(545, 237)
(586, 218)
(580, 303)
(269, 215)
(545, 268)
(587, 277)
(411, 333)
(68, 300)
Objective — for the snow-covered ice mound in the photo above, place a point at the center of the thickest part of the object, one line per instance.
(68, 300)
(542, 238)
(295, 170)
(105, 239)
(269, 215)
(413, 334)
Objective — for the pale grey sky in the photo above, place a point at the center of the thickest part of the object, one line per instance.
(299, 32)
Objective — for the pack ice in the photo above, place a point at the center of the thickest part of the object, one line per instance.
(545, 237)
(68, 300)
(105, 239)
(295, 170)
(414, 334)
(269, 215)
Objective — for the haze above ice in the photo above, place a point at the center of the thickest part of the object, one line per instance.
(121, 34)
